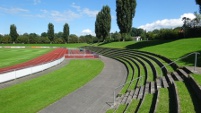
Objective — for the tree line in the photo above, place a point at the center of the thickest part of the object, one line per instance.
(125, 12)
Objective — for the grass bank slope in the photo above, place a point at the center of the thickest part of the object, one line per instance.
(172, 49)
(31, 96)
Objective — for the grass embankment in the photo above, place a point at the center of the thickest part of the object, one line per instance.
(188, 102)
(33, 95)
(146, 105)
(76, 45)
(173, 49)
(197, 78)
(10, 57)
(163, 104)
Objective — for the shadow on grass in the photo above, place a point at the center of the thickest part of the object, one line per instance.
(191, 59)
(172, 103)
(194, 98)
(103, 43)
(144, 44)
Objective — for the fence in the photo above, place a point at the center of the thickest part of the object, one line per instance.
(11, 75)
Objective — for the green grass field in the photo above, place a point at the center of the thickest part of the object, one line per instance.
(10, 57)
(73, 45)
(31, 96)
(173, 49)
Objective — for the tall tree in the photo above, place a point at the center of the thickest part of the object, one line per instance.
(98, 26)
(50, 32)
(103, 23)
(199, 3)
(66, 32)
(13, 33)
(125, 10)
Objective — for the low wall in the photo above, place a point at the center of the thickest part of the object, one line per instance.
(27, 71)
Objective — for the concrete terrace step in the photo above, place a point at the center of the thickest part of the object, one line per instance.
(182, 73)
(136, 92)
(130, 97)
(170, 78)
(158, 83)
(176, 76)
(147, 88)
(165, 83)
(125, 97)
(152, 88)
(141, 93)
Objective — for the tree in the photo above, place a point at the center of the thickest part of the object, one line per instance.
(44, 34)
(23, 39)
(50, 32)
(66, 32)
(199, 3)
(73, 38)
(116, 36)
(125, 10)
(98, 26)
(6, 39)
(103, 23)
(136, 32)
(13, 33)
(58, 35)
(196, 21)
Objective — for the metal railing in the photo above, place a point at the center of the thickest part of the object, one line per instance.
(195, 63)
(114, 96)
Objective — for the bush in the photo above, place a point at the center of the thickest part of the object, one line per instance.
(126, 36)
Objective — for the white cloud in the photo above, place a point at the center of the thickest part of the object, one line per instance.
(166, 23)
(85, 11)
(68, 15)
(13, 10)
(78, 8)
(89, 12)
(58, 16)
(37, 2)
(87, 32)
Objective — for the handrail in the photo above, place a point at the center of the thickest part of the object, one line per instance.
(114, 97)
(195, 64)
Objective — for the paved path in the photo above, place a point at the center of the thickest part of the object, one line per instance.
(196, 70)
(94, 97)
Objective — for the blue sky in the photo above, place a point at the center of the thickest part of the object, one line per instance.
(33, 16)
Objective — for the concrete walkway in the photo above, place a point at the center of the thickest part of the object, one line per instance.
(94, 97)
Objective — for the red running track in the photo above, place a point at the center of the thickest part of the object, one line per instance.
(80, 54)
(51, 56)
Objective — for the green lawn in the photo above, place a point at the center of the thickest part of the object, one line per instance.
(73, 45)
(146, 105)
(163, 104)
(31, 96)
(197, 78)
(132, 107)
(10, 57)
(173, 49)
(188, 102)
